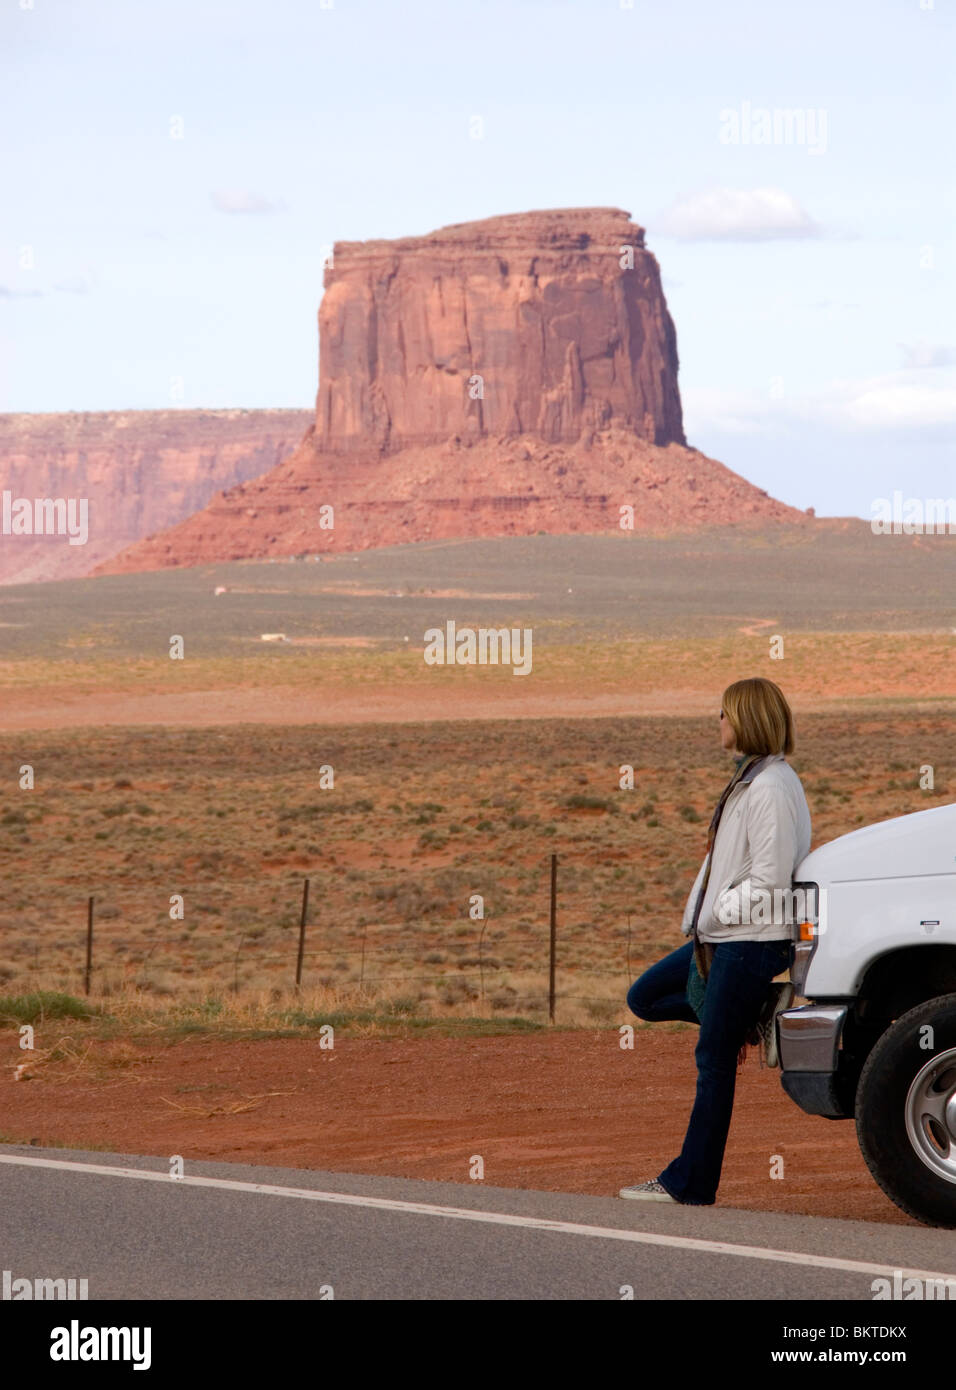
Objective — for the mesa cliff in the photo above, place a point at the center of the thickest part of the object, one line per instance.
(139, 471)
(491, 378)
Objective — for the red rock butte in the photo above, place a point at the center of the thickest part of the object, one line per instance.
(542, 323)
(500, 377)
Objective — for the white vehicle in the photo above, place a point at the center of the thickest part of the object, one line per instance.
(876, 1040)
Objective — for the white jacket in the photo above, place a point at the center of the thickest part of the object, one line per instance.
(763, 835)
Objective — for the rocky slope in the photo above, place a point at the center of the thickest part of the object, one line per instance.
(497, 487)
(139, 470)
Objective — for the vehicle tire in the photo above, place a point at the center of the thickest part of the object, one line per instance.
(906, 1112)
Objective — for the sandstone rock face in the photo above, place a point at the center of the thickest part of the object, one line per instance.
(545, 323)
(140, 471)
(494, 378)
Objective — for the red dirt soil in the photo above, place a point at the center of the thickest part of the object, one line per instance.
(43, 708)
(559, 1111)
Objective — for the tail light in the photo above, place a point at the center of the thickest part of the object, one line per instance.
(806, 932)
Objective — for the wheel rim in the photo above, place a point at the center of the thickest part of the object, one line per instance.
(931, 1115)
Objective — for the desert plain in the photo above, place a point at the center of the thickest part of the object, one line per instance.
(190, 797)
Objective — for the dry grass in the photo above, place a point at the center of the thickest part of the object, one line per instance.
(420, 819)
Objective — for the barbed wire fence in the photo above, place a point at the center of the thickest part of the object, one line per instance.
(244, 950)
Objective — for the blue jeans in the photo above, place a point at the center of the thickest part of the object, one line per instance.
(737, 988)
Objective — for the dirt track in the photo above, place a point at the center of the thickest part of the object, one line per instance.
(564, 1111)
(32, 709)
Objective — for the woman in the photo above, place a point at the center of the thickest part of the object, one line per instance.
(742, 932)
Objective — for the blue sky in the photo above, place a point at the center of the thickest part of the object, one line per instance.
(812, 280)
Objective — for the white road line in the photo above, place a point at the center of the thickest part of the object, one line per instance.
(534, 1223)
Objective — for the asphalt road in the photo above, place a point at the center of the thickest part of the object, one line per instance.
(223, 1231)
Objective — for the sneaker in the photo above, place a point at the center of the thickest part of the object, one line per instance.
(650, 1191)
(780, 998)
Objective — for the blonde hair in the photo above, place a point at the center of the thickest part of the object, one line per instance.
(759, 716)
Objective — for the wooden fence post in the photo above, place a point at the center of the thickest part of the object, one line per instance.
(305, 908)
(89, 943)
(554, 933)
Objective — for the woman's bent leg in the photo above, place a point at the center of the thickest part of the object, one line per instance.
(661, 992)
(736, 990)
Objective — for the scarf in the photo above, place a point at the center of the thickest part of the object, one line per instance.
(703, 950)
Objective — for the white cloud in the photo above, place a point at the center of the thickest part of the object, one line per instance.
(904, 400)
(895, 402)
(736, 214)
(72, 284)
(730, 412)
(243, 200)
(77, 284)
(927, 355)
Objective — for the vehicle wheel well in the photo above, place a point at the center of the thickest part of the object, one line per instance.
(892, 985)
(902, 979)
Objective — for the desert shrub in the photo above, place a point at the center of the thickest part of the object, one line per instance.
(44, 1004)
